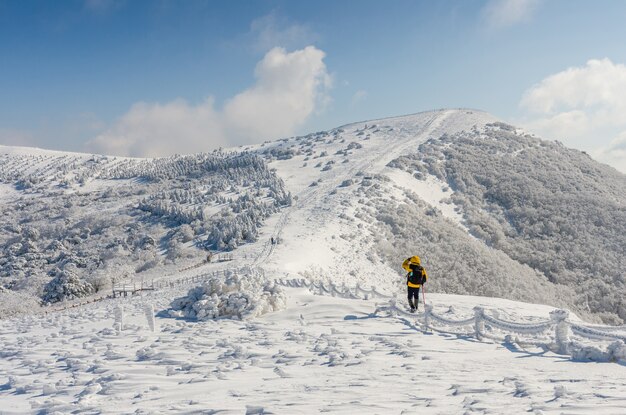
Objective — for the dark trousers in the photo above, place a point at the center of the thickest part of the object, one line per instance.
(413, 293)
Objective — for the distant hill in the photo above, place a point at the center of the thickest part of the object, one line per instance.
(73, 223)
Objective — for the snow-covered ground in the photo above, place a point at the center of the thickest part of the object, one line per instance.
(431, 190)
(320, 354)
(352, 156)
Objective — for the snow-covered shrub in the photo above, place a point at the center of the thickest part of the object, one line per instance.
(185, 233)
(66, 285)
(280, 153)
(234, 296)
(100, 280)
(13, 303)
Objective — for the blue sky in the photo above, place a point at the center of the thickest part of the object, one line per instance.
(152, 78)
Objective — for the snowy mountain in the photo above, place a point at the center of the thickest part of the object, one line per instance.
(301, 306)
(492, 211)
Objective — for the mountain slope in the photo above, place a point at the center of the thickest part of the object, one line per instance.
(369, 194)
(456, 187)
(72, 223)
(546, 206)
(320, 354)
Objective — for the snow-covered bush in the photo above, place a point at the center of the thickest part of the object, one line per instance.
(234, 296)
(14, 303)
(66, 285)
(100, 280)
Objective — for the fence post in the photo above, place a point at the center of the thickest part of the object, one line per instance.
(392, 307)
(149, 312)
(561, 330)
(479, 323)
(119, 319)
(428, 308)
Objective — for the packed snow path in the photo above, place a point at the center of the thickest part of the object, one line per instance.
(321, 354)
(313, 203)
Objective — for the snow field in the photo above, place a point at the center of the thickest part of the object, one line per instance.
(299, 352)
(320, 354)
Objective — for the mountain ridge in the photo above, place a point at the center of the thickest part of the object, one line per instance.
(348, 186)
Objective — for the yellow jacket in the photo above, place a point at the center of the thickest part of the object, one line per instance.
(414, 260)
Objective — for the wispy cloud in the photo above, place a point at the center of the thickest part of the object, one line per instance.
(585, 104)
(500, 14)
(273, 30)
(289, 88)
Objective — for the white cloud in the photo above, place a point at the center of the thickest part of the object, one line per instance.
(505, 13)
(600, 84)
(289, 88)
(575, 123)
(153, 129)
(582, 106)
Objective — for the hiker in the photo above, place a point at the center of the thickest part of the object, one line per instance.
(415, 277)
